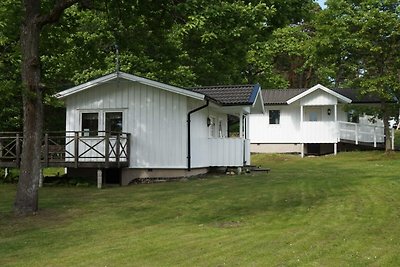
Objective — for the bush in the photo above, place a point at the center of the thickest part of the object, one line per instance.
(11, 178)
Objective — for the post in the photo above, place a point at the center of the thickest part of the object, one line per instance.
(128, 147)
(46, 150)
(335, 148)
(18, 151)
(107, 149)
(118, 148)
(99, 178)
(76, 148)
(392, 132)
(335, 108)
(241, 125)
(41, 178)
(302, 150)
(356, 133)
(374, 136)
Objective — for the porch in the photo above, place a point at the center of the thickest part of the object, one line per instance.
(70, 149)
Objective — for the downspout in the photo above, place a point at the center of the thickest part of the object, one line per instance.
(189, 153)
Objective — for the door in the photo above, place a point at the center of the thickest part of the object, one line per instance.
(313, 114)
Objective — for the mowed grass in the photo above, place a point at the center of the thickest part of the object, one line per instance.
(324, 211)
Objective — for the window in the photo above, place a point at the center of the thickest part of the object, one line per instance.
(220, 128)
(212, 127)
(90, 124)
(313, 116)
(114, 122)
(274, 116)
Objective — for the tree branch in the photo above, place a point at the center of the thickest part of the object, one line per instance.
(55, 14)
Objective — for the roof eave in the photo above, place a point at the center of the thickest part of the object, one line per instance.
(132, 78)
(323, 88)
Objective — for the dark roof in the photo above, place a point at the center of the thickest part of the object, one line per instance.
(229, 95)
(281, 96)
(356, 96)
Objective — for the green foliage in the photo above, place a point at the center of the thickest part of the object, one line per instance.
(10, 81)
(11, 177)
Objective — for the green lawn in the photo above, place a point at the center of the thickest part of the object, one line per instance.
(321, 211)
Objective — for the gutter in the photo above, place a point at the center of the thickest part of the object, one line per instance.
(189, 152)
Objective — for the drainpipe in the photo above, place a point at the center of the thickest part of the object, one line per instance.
(189, 154)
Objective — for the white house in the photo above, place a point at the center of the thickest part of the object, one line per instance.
(153, 129)
(312, 121)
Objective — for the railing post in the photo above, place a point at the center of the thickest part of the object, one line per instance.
(107, 149)
(17, 151)
(76, 148)
(356, 134)
(117, 148)
(128, 147)
(374, 136)
(46, 150)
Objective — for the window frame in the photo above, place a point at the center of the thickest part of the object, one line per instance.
(113, 133)
(274, 122)
(90, 133)
(101, 120)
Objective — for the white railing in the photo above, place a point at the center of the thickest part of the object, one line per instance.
(332, 132)
(220, 152)
(319, 132)
(361, 133)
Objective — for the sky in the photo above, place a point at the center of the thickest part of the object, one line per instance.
(321, 3)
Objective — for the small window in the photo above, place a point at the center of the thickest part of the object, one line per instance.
(220, 128)
(212, 127)
(274, 116)
(114, 122)
(90, 124)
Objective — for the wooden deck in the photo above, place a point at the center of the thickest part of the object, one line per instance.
(71, 149)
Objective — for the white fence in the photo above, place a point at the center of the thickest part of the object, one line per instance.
(319, 132)
(332, 132)
(361, 133)
(218, 152)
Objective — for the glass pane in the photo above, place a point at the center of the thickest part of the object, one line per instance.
(313, 116)
(274, 116)
(114, 122)
(90, 124)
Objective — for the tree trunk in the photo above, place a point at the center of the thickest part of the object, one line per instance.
(26, 201)
(386, 128)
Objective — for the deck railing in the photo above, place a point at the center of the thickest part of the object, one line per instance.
(71, 149)
(361, 133)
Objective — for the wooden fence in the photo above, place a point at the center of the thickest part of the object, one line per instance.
(71, 149)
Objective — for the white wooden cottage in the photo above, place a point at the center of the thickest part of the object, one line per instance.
(312, 121)
(155, 129)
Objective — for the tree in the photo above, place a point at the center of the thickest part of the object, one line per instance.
(360, 41)
(26, 201)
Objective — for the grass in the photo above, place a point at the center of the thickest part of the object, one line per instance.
(322, 211)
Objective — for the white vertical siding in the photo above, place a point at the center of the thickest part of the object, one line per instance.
(156, 120)
(318, 98)
(158, 127)
(287, 131)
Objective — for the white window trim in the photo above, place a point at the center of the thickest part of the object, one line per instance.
(102, 118)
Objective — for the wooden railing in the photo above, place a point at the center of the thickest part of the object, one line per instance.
(71, 149)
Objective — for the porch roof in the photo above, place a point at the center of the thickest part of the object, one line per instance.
(230, 95)
(282, 96)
